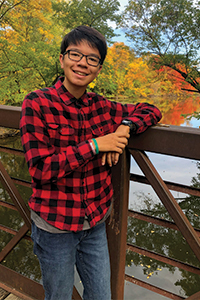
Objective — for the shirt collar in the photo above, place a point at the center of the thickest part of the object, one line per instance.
(68, 98)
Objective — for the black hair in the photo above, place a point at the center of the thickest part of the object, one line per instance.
(85, 33)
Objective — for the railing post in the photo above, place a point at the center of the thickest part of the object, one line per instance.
(117, 226)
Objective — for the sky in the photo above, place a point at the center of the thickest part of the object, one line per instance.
(121, 37)
(123, 3)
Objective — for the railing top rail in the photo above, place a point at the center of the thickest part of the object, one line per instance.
(164, 139)
(169, 140)
(10, 116)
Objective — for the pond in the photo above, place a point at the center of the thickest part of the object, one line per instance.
(142, 198)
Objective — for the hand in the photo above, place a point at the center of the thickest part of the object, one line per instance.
(112, 158)
(114, 142)
(123, 129)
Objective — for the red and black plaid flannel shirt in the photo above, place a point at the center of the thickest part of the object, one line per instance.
(68, 180)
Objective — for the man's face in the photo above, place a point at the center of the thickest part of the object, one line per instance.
(78, 74)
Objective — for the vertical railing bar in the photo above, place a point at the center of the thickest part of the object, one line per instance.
(168, 200)
(117, 227)
(76, 295)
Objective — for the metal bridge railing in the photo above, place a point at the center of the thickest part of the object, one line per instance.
(169, 140)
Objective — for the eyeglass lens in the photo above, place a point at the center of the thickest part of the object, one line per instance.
(77, 56)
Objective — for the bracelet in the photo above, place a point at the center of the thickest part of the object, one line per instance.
(96, 146)
(92, 146)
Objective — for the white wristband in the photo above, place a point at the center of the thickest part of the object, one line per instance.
(92, 146)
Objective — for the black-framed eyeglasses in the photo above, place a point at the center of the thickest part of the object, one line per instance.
(77, 56)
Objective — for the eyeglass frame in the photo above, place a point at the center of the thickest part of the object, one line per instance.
(82, 55)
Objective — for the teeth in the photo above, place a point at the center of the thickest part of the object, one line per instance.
(79, 73)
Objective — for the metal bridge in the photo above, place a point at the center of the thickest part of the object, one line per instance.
(168, 140)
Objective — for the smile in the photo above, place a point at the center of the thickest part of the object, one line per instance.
(80, 73)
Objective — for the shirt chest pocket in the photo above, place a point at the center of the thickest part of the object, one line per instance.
(102, 129)
(60, 135)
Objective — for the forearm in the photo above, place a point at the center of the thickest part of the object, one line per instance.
(112, 145)
(143, 115)
(47, 163)
(51, 167)
(115, 141)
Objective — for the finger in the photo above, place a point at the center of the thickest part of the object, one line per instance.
(120, 148)
(116, 159)
(122, 144)
(123, 134)
(122, 140)
(109, 159)
(113, 157)
(103, 159)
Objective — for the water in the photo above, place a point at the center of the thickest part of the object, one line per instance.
(149, 236)
(158, 239)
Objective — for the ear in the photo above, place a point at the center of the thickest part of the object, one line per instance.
(61, 61)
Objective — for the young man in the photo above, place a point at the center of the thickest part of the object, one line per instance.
(71, 139)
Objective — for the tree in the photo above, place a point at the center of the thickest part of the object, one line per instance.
(30, 36)
(139, 78)
(111, 80)
(93, 13)
(168, 29)
(29, 50)
(6, 6)
(119, 57)
(124, 74)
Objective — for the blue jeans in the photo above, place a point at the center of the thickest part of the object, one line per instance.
(58, 253)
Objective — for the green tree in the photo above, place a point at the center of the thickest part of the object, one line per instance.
(30, 35)
(28, 50)
(111, 79)
(93, 13)
(7, 6)
(168, 29)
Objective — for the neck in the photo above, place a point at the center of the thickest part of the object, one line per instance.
(76, 91)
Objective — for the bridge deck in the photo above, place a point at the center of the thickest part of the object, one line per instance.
(4, 295)
(8, 294)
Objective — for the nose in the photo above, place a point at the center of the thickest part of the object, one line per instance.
(83, 61)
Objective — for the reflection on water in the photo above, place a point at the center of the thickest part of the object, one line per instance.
(159, 239)
(164, 241)
(173, 107)
(21, 259)
(152, 237)
(173, 113)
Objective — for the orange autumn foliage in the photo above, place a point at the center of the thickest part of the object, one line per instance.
(125, 74)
